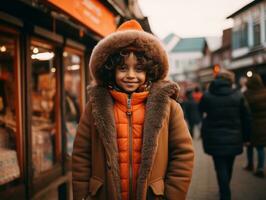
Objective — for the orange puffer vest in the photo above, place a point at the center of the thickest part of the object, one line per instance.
(129, 114)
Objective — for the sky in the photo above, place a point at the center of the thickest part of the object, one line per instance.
(190, 18)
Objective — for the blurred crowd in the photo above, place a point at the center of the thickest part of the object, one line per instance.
(229, 118)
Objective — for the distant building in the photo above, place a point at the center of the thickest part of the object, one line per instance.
(220, 58)
(170, 41)
(186, 56)
(249, 39)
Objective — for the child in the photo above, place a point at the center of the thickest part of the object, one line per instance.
(132, 141)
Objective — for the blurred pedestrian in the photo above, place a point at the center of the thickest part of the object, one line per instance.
(225, 116)
(256, 97)
(197, 94)
(132, 141)
(243, 84)
(191, 111)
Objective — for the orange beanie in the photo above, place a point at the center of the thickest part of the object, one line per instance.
(130, 25)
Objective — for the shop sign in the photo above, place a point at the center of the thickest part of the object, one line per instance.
(89, 12)
(120, 3)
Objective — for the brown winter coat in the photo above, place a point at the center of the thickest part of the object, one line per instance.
(167, 152)
(256, 98)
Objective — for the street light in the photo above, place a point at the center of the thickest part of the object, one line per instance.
(249, 74)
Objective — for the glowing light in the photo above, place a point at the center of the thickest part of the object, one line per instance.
(35, 50)
(65, 54)
(249, 74)
(3, 48)
(43, 56)
(73, 67)
(53, 69)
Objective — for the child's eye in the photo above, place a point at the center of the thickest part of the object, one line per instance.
(139, 68)
(122, 67)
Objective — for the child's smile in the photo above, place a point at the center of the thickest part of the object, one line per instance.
(130, 76)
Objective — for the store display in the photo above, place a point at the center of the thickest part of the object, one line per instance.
(4, 139)
(42, 155)
(9, 168)
(72, 84)
(43, 133)
(71, 133)
(43, 113)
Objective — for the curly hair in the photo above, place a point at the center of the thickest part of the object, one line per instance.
(107, 72)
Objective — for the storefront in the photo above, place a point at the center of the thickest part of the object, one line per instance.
(44, 55)
(254, 62)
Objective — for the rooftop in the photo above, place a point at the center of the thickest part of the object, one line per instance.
(190, 45)
(168, 38)
(244, 8)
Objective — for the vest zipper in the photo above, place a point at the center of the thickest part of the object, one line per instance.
(129, 115)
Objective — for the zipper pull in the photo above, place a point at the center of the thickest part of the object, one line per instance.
(129, 105)
(129, 101)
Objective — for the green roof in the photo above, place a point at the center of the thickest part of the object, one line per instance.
(168, 38)
(190, 45)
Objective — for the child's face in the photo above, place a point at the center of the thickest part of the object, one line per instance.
(130, 76)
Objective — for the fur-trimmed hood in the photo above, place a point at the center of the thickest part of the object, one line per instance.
(128, 35)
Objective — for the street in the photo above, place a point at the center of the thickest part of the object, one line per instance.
(244, 185)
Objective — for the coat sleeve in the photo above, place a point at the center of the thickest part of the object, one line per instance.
(202, 105)
(181, 156)
(81, 157)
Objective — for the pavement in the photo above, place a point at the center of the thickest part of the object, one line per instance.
(244, 186)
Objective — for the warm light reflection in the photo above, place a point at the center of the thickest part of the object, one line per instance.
(43, 56)
(73, 67)
(3, 48)
(53, 69)
(65, 54)
(35, 50)
(249, 74)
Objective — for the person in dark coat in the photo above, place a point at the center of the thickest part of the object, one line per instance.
(224, 116)
(191, 111)
(256, 97)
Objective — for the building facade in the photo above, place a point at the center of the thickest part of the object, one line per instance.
(220, 58)
(249, 39)
(45, 48)
(186, 56)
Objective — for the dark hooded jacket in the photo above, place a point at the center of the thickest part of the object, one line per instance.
(167, 153)
(256, 98)
(224, 121)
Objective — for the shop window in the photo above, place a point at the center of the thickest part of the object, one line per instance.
(264, 17)
(9, 134)
(43, 107)
(72, 83)
(240, 36)
(256, 26)
(256, 34)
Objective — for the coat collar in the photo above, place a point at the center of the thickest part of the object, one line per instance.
(102, 111)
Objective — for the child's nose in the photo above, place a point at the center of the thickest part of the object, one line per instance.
(131, 73)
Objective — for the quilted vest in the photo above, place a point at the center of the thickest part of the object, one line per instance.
(129, 111)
